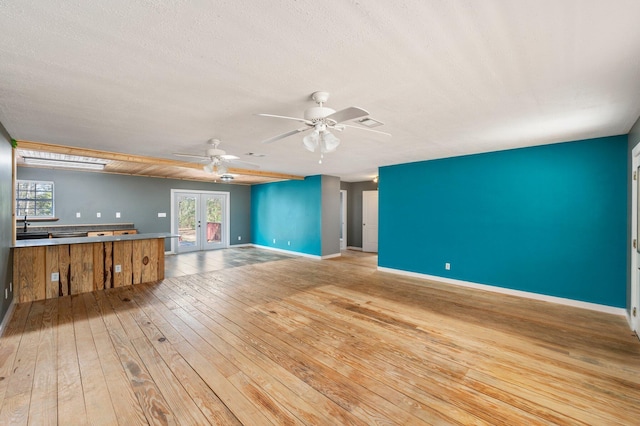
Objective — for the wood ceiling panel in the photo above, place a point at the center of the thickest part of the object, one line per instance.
(136, 165)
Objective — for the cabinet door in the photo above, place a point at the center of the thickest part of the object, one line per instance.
(125, 232)
(99, 233)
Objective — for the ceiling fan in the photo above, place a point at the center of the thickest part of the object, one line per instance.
(319, 119)
(217, 159)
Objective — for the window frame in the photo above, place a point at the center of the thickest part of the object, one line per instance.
(35, 200)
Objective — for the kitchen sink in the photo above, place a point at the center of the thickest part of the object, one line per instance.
(31, 235)
(68, 234)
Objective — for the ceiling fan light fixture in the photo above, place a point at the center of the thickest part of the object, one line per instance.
(311, 141)
(221, 169)
(329, 142)
(226, 178)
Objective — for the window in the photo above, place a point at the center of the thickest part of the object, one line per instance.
(34, 199)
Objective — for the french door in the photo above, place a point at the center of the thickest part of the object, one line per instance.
(200, 218)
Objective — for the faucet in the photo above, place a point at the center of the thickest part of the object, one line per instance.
(25, 223)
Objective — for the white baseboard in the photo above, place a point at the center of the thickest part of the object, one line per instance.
(297, 253)
(511, 292)
(7, 318)
(171, 252)
(331, 256)
(354, 248)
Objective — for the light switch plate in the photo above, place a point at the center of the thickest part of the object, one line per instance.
(55, 276)
(162, 215)
(118, 268)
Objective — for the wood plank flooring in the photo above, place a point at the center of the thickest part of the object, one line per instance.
(246, 336)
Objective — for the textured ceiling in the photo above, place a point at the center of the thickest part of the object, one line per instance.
(446, 77)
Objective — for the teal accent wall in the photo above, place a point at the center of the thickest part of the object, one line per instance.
(288, 211)
(549, 219)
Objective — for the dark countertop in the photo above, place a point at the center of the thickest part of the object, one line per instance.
(61, 229)
(87, 240)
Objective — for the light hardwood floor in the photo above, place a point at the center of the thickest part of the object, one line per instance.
(246, 336)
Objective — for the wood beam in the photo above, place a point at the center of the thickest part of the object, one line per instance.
(132, 158)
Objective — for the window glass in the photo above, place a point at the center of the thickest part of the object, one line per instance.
(34, 199)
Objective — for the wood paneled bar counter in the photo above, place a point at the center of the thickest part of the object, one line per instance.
(54, 267)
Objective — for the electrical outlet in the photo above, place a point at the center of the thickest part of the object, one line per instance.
(6, 294)
(98, 214)
(117, 214)
(288, 243)
(239, 238)
(78, 214)
(162, 215)
(55, 276)
(447, 266)
(11, 286)
(274, 241)
(118, 268)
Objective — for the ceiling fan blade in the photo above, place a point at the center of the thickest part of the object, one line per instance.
(347, 114)
(364, 128)
(202, 157)
(302, 120)
(286, 135)
(229, 157)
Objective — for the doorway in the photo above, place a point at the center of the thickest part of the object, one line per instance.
(200, 218)
(343, 219)
(635, 246)
(370, 221)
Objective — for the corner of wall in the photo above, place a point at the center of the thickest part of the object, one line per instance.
(6, 221)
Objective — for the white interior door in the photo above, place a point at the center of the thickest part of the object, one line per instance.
(635, 238)
(370, 221)
(343, 219)
(200, 218)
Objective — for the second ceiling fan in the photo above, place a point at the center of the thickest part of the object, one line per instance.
(320, 119)
(217, 159)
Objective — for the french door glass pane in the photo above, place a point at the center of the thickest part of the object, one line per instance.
(187, 221)
(214, 220)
